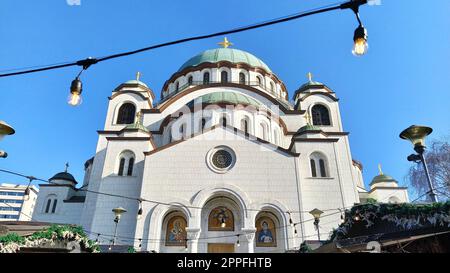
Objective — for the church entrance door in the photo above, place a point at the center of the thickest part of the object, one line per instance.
(220, 248)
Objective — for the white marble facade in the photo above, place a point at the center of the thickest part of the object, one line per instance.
(243, 149)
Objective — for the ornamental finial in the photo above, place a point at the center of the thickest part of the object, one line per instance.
(309, 76)
(379, 169)
(138, 76)
(308, 118)
(225, 43)
(67, 167)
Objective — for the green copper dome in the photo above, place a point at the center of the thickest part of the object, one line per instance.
(231, 98)
(136, 82)
(382, 178)
(64, 176)
(225, 54)
(308, 127)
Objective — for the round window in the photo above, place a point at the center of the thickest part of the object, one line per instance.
(221, 159)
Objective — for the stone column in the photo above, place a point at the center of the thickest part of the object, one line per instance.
(250, 236)
(192, 236)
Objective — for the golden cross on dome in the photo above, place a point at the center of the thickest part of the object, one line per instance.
(308, 118)
(138, 76)
(309, 76)
(225, 43)
(379, 169)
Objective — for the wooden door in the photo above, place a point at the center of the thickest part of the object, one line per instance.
(220, 248)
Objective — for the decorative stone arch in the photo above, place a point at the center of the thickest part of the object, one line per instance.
(155, 220)
(49, 202)
(117, 107)
(324, 105)
(279, 211)
(203, 196)
(246, 73)
(224, 69)
(128, 157)
(317, 156)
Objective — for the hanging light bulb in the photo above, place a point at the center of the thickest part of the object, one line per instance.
(360, 45)
(140, 211)
(76, 88)
(26, 195)
(186, 245)
(238, 244)
(290, 220)
(223, 224)
(140, 243)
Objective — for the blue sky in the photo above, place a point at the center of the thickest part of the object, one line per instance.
(403, 80)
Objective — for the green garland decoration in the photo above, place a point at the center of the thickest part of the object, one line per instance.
(53, 233)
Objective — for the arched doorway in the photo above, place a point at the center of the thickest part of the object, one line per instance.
(221, 223)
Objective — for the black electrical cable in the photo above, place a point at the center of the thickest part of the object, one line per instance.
(352, 4)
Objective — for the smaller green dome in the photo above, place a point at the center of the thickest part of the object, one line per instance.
(381, 178)
(136, 82)
(64, 176)
(308, 127)
(137, 125)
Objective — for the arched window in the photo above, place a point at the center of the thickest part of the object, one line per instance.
(126, 163)
(320, 115)
(318, 165)
(313, 167)
(54, 205)
(203, 123)
(263, 128)
(266, 230)
(177, 86)
(50, 205)
(223, 121)
(176, 230)
(183, 130)
(130, 166)
(259, 80)
(224, 76)
(323, 172)
(121, 166)
(126, 114)
(47, 207)
(206, 78)
(190, 80)
(272, 87)
(221, 219)
(242, 78)
(245, 125)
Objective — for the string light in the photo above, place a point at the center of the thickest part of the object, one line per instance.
(27, 193)
(76, 87)
(290, 219)
(360, 45)
(140, 211)
(352, 4)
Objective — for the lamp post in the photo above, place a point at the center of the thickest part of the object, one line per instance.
(118, 213)
(5, 129)
(416, 134)
(316, 214)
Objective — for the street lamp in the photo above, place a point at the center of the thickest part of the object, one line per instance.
(5, 129)
(416, 134)
(316, 214)
(118, 213)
